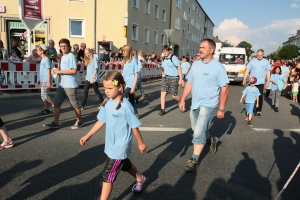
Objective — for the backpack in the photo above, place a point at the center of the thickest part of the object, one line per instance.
(2, 76)
(166, 58)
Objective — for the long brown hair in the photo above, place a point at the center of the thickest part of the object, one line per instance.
(89, 60)
(128, 51)
(115, 77)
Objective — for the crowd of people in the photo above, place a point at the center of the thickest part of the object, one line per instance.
(118, 110)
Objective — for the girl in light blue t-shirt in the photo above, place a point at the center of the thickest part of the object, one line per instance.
(121, 122)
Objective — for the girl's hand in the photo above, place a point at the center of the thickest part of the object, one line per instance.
(241, 100)
(83, 140)
(142, 147)
(257, 105)
(92, 81)
(132, 90)
(48, 85)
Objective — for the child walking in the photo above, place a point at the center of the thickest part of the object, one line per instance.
(121, 123)
(45, 78)
(252, 93)
(275, 78)
(295, 90)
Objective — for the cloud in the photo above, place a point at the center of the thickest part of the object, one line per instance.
(293, 5)
(268, 38)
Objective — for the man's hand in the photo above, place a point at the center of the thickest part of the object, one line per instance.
(180, 82)
(182, 105)
(92, 81)
(220, 115)
(132, 90)
(244, 82)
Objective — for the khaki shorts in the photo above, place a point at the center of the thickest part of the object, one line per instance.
(63, 93)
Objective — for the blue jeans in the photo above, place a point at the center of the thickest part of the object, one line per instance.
(140, 84)
(200, 121)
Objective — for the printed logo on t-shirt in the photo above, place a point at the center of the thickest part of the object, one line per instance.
(116, 116)
(205, 74)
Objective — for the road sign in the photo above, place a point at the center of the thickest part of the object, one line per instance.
(31, 12)
(168, 32)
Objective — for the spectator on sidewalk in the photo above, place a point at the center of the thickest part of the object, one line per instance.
(80, 53)
(75, 51)
(185, 68)
(91, 76)
(52, 53)
(13, 58)
(208, 83)
(34, 57)
(172, 77)
(3, 52)
(67, 87)
(45, 79)
(7, 141)
(16, 47)
(260, 68)
(121, 54)
(104, 57)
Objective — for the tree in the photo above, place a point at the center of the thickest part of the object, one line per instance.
(288, 52)
(226, 43)
(274, 55)
(248, 48)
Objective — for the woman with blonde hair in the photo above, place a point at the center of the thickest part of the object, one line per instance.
(130, 72)
(91, 76)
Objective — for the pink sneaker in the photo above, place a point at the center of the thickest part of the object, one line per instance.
(247, 119)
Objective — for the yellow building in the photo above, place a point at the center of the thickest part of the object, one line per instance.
(109, 24)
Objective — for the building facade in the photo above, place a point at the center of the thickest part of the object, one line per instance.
(110, 24)
(294, 40)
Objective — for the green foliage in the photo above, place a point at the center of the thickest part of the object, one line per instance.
(248, 48)
(274, 55)
(288, 52)
(228, 44)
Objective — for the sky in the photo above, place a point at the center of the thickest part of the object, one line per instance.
(265, 24)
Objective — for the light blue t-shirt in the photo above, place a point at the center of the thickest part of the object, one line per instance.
(251, 94)
(285, 70)
(90, 70)
(276, 77)
(170, 69)
(206, 80)
(68, 62)
(44, 65)
(129, 70)
(119, 124)
(185, 66)
(259, 69)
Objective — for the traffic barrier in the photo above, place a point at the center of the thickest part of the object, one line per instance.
(25, 75)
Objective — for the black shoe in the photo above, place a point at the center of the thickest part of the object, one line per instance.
(137, 100)
(276, 109)
(272, 107)
(213, 146)
(191, 165)
(161, 112)
(258, 114)
(249, 122)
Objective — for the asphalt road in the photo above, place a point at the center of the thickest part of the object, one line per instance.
(251, 162)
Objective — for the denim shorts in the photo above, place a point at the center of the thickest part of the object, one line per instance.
(249, 108)
(200, 121)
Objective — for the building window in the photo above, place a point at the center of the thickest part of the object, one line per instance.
(156, 11)
(188, 28)
(187, 1)
(184, 33)
(155, 35)
(146, 35)
(77, 28)
(163, 39)
(135, 31)
(164, 15)
(189, 12)
(135, 4)
(185, 16)
(178, 4)
(147, 7)
(177, 23)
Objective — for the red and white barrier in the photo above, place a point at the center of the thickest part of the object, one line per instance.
(25, 75)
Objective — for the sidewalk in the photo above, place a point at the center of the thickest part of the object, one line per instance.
(27, 94)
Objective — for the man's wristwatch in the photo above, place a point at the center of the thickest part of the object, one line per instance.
(222, 110)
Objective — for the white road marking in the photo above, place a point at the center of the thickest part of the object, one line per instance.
(162, 129)
(271, 130)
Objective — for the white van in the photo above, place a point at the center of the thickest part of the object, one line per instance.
(234, 60)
